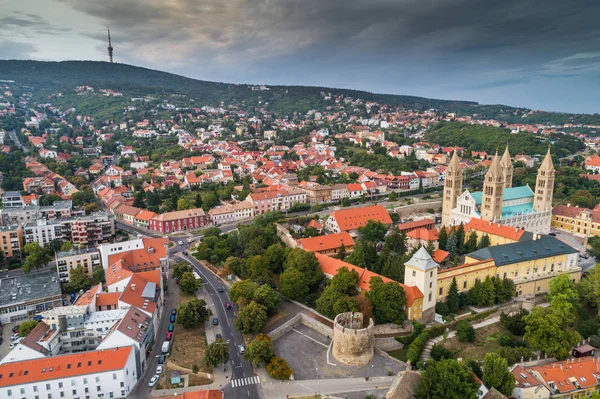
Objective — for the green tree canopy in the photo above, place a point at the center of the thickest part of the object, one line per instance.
(388, 300)
(547, 329)
(307, 263)
(78, 278)
(37, 257)
(496, 374)
(26, 327)
(373, 231)
(293, 285)
(260, 350)
(447, 379)
(251, 318)
(242, 292)
(188, 283)
(268, 297)
(216, 353)
(193, 313)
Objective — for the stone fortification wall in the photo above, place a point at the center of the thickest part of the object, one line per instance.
(352, 344)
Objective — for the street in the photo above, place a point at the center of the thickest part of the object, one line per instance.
(243, 382)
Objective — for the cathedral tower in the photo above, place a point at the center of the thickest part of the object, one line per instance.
(507, 168)
(110, 47)
(452, 188)
(544, 185)
(493, 190)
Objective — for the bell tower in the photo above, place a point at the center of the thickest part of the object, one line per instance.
(452, 188)
(493, 191)
(507, 168)
(544, 185)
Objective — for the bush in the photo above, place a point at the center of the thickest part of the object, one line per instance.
(512, 341)
(589, 327)
(515, 322)
(595, 341)
(435, 332)
(514, 355)
(439, 352)
(417, 330)
(465, 331)
(279, 369)
(442, 308)
(416, 347)
(475, 368)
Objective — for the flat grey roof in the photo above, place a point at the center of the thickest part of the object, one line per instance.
(29, 287)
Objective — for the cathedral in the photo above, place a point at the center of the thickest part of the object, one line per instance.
(499, 202)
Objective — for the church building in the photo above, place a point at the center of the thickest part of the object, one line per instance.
(499, 202)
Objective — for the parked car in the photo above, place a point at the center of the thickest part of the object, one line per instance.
(174, 311)
(218, 336)
(13, 344)
(180, 242)
(228, 306)
(159, 369)
(190, 239)
(241, 349)
(552, 234)
(153, 380)
(14, 337)
(169, 336)
(38, 318)
(161, 359)
(221, 289)
(15, 329)
(172, 318)
(171, 327)
(216, 321)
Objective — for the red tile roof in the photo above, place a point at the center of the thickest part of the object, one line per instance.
(439, 255)
(583, 371)
(416, 224)
(496, 229)
(330, 266)
(326, 242)
(107, 298)
(201, 394)
(351, 219)
(65, 366)
(423, 234)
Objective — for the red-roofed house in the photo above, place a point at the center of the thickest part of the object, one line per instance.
(422, 237)
(172, 222)
(349, 220)
(329, 244)
(498, 233)
(414, 297)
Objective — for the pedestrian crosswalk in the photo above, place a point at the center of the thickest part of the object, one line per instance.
(240, 382)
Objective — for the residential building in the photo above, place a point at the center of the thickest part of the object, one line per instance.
(592, 163)
(422, 237)
(339, 191)
(88, 258)
(42, 232)
(110, 373)
(12, 199)
(428, 224)
(414, 297)
(231, 213)
(31, 213)
(142, 218)
(498, 234)
(349, 220)
(87, 230)
(329, 244)
(172, 222)
(316, 193)
(23, 295)
(11, 239)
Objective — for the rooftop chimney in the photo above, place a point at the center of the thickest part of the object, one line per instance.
(132, 287)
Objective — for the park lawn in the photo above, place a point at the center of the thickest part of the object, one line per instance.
(487, 340)
(189, 345)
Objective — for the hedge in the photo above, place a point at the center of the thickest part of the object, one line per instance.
(416, 348)
(408, 339)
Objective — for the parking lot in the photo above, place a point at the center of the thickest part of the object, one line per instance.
(305, 350)
(6, 334)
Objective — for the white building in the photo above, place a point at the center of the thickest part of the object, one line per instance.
(421, 272)
(231, 213)
(110, 373)
(42, 232)
(118, 247)
(88, 257)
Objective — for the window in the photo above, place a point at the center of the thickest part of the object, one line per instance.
(430, 297)
(431, 274)
(441, 290)
(464, 285)
(114, 376)
(430, 284)
(22, 391)
(9, 392)
(74, 391)
(97, 379)
(60, 384)
(414, 273)
(72, 383)
(98, 388)
(85, 380)
(47, 387)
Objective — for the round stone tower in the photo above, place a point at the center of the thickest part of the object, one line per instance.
(352, 344)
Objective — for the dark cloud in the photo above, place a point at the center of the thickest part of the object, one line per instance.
(26, 23)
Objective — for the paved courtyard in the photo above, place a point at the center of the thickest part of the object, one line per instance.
(305, 350)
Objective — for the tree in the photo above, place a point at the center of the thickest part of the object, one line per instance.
(342, 252)
(547, 329)
(452, 244)
(268, 297)
(78, 278)
(188, 283)
(515, 323)
(237, 266)
(198, 201)
(365, 307)
(98, 275)
(465, 331)
(37, 257)
(447, 379)
(392, 196)
(484, 242)
(66, 246)
(216, 353)
(251, 318)
(26, 327)
(443, 238)
(260, 350)
(307, 263)
(589, 287)
(471, 244)
(274, 255)
(242, 292)
(395, 241)
(180, 268)
(562, 292)
(452, 300)
(388, 300)
(439, 352)
(279, 369)
(192, 313)
(496, 374)
(293, 285)
(460, 237)
(139, 199)
(373, 231)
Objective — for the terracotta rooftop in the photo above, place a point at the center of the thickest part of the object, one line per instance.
(326, 242)
(495, 229)
(351, 219)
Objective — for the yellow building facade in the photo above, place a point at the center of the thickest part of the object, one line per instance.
(576, 220)
(11, 241)
(529, 264)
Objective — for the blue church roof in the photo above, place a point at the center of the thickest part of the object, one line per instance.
(512, 193)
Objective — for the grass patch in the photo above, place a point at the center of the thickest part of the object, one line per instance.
(400, 354)
(487, 340)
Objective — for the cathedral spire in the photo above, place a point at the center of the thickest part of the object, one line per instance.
(544, 185)
(495, 168)
(452, 188)
(493, 191)
(507, 168)
(547, 164)
(110, 47)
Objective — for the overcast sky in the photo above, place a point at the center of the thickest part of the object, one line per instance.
(532, 53)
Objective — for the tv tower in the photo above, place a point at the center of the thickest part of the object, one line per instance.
(110, 47)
